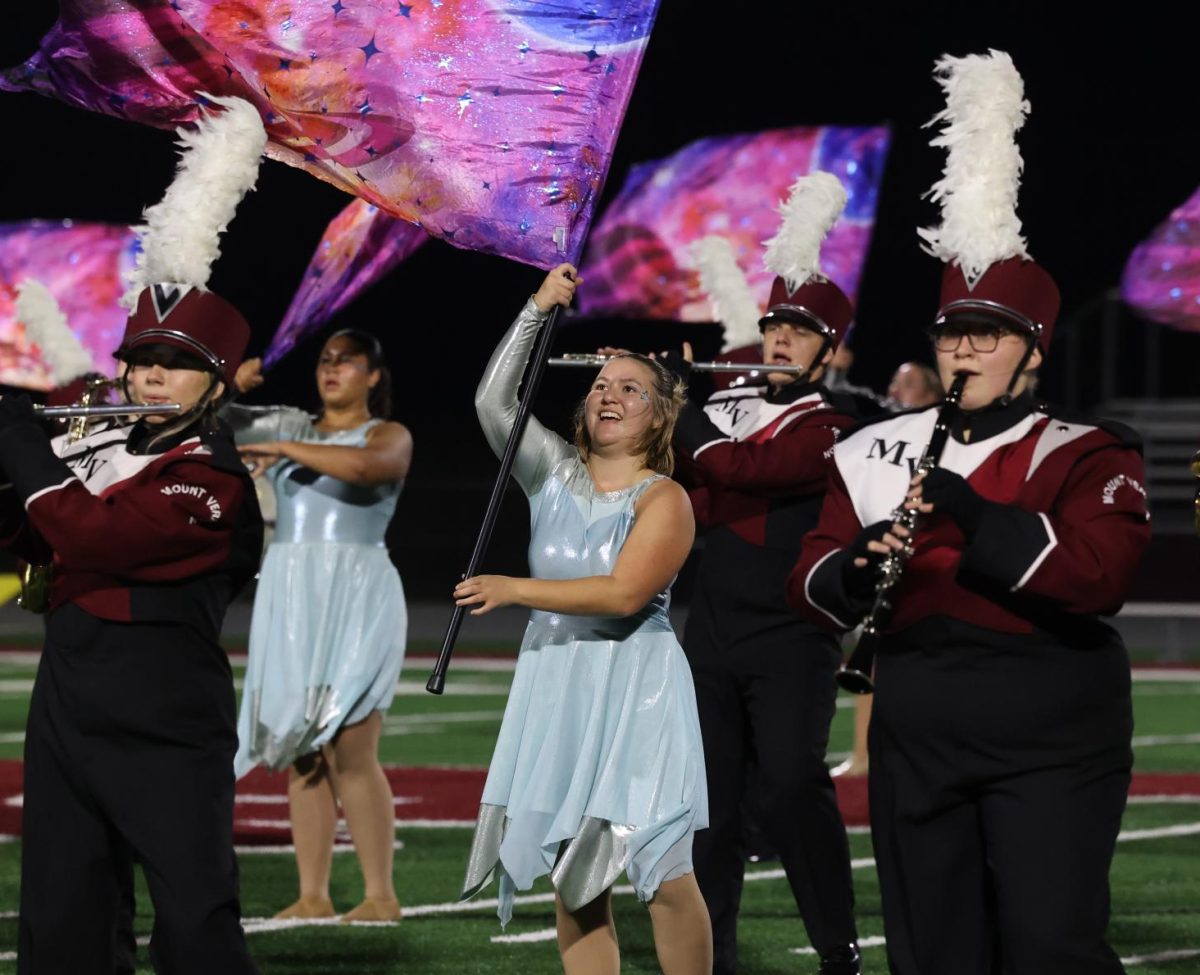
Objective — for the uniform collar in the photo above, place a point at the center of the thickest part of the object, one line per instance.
(994, 418)
(790, 392)
(141, 438)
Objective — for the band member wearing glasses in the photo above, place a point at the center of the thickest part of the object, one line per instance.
(757, 459)
(152, 527)
(598, 767)
(1000, 739)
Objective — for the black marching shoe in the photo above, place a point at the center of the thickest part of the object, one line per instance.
(843, 960)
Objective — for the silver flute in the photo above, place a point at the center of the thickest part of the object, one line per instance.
(593, 359)
(106, 409)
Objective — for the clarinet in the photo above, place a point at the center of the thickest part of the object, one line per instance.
(855, 673)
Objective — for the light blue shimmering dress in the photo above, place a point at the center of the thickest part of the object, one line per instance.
(598, 768)
(328, 632)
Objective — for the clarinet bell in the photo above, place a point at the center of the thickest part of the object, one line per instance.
(854, 680)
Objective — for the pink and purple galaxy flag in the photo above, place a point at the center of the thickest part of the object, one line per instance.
(490, 123)
(637, 262)
(1162, 276)
(360, 246)
(82, 264)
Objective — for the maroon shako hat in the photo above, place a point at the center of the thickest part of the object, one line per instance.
(195, 321)
(1017, 290)
(818, 304)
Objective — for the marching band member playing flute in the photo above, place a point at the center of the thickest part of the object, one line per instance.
(598, 768)
(756, 458)
(1000, 739)
(153, 527)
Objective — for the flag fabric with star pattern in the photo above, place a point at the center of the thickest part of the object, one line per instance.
(82, 265)
(638, 261)
(360, 246)
(1162, 276)
(490, 123)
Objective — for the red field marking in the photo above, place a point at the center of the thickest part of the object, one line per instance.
(448, 794)
(424, 793)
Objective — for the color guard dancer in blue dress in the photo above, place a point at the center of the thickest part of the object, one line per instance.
(328, 634)
(599, 766)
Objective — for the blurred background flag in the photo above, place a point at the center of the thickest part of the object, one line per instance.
(82, 265)
(638, 262)
(1162, 276)
(359, 247)
(491, 123)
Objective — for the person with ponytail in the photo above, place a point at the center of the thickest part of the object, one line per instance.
(328, 633)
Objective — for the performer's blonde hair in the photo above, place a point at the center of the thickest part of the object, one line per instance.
(667, 396)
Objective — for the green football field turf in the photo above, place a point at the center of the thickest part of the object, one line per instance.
(1156, 875)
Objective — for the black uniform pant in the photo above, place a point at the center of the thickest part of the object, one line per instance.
(766, 698)
(998, 780)
(129, 752)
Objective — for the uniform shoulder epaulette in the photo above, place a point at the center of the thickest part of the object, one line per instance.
(1126, 435)
(860, 404)
(222, 449)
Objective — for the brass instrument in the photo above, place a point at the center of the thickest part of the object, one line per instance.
(36, 577)
(594, 360)
(855, 674)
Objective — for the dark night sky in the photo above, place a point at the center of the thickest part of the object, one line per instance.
(1109, 148)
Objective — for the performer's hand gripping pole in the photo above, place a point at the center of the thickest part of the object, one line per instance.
(533, 379)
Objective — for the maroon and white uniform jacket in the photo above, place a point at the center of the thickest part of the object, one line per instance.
(756, 462)
(757, 454)
(167, 536)
(1062, 539)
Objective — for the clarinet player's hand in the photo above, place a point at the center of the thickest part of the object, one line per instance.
(868, 550)
(944, 491)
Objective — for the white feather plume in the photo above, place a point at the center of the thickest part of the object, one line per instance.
(728, 291)
(985, 107)
(813, 205)
(217, 167)
(46, 327)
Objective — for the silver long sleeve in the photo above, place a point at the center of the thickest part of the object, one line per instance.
(496, 404)
(260, 424)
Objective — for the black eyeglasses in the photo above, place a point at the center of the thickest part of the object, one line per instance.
(947, 338)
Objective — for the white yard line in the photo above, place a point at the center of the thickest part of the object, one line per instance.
(1158, 833)
(282, 848)
(441, 717)
(1165, 675)
(414, 688)
(872, 942)
(545, 934)
(1175, 955)
(1148, 741)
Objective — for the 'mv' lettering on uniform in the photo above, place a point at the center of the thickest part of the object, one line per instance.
(882, 450)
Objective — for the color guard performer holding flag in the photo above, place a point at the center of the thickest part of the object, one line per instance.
(1000, 739)
(152, 528)
(757, 457)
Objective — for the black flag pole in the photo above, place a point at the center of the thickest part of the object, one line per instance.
(533, 379)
